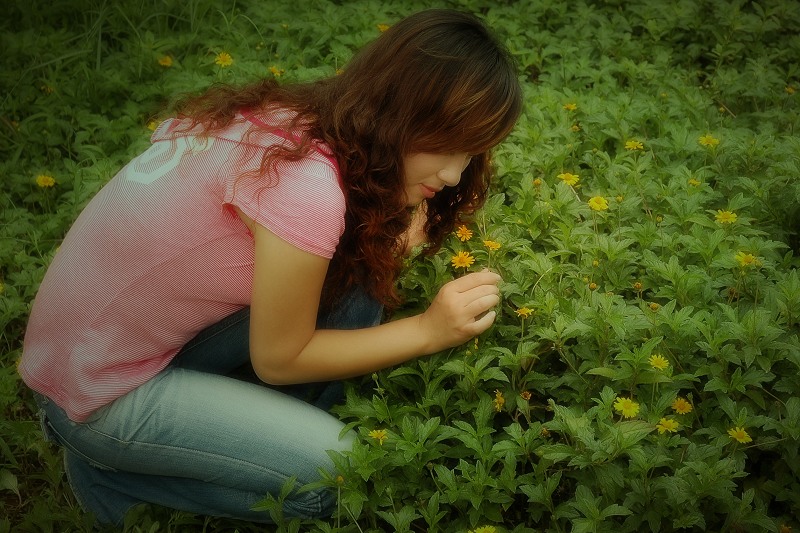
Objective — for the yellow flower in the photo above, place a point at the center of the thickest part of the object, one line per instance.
(789, 89)
(681, 406)
(654, 306)
(463, 233)
(277, 72)
(47, 89)
(571, 106)
(746, 260)
(152, 125)
(492, 245)
(598, 203)
(379, 435)
(694, 182)
(223, 59)
(708, 140)
(498, 401)
(484, 529)
(592, 286)
(658, 361)
(725, 217)
(340, 480)
(524, 312)
(462, 260)
(626, 407)
(575, 128)
(44, 181)
(568, 178)
(637, 286)
(383, 27)
(634, 145)
(740, 435)
(619, 198)
(525, 395)
(165, 61)
(537, 182)
(667, 424)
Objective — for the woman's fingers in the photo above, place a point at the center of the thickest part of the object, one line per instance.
(475, 279)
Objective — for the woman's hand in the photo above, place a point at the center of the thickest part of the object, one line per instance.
(461, 310)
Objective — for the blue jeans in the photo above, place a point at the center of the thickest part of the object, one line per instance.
(196, 439)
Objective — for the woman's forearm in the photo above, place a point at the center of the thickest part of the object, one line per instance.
(338, 354)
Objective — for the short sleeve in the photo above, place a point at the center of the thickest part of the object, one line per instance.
(302, 204)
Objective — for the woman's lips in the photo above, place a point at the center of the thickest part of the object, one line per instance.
(428, 192)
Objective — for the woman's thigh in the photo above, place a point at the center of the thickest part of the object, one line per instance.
(189, 424)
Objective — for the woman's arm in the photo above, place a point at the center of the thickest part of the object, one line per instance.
(286, 348)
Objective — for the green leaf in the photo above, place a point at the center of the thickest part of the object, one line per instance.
(8, 481)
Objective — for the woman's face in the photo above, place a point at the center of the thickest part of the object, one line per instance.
(427, 174)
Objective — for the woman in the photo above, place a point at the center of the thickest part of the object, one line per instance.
(266, 225)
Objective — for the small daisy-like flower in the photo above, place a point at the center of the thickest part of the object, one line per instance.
(537, 182)
(382, 27)
(379, 435)
(725, 217)
(498, 401)
(739, 435)
(658, 361)
(463, 233)
(223, 59)
(637, 286)
(165, 61)
(340, 480)
(524, 312)
(708, 140)
(45, 181)
(592, 286)
(619, 198)
(694, 182)
(152, 125)
(654, 306)
(789, 89)
(667, 424)
(570, 106)
(626, 407)
(492, 245)
(462, 260)
(746, 260)
(681, 406)
(598, 203)
(569, 179)
(525, 395)
(634, 145)
(277, 72)
(47, 89)
(575, 127)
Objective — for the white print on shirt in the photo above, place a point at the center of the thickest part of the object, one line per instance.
(156, 162)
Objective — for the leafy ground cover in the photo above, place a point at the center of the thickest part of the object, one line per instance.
(644, 370)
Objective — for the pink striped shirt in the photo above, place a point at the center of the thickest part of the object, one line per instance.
(159, 254)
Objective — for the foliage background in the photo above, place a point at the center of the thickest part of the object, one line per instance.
(655, 274)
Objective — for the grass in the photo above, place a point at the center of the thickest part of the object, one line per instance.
(659, 268)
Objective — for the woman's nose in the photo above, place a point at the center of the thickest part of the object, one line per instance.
(451, 173)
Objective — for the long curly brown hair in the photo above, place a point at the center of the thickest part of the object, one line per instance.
(435, 82)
